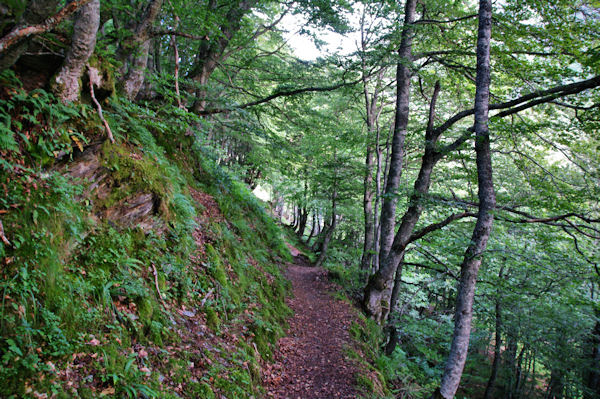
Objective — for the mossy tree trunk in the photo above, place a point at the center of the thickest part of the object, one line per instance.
(134, 51)
(66, 84)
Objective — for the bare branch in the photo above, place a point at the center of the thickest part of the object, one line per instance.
(21, 32)
(284, 93)
(526, 101)
(436, 226)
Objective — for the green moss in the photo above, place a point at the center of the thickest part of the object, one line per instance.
(145, 309)
(201, 390)
(212, 319)
(75, 278)
(217, 269)
(135, 173)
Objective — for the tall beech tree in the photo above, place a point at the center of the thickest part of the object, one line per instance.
(485, 217)
(379, 288)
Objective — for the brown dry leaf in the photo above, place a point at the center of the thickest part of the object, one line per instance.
(78, 142)
(108, 391)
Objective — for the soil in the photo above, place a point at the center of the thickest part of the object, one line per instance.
(310, 361)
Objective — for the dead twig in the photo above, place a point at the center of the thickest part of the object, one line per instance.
(208, 294)
(2, 235)
(95, 80)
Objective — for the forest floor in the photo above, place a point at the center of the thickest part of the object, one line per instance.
(311, 362)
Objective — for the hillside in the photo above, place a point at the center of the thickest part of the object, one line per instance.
(133, 268)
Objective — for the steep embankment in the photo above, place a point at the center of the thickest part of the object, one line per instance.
(134, 269)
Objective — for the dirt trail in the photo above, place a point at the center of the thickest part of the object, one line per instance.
(310, 362)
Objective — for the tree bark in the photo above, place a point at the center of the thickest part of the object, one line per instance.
(378, 289)
(403, 77)
(592, 379)
(369, 232)
(489, 389)
(329, 232)
(378, 292)
(34, 20)
(211, 50)
(135, 50)
(67, 81)
(313, 228)
(485, 218)
(302, 221)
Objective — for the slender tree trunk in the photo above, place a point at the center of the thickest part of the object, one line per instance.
(313, 228)
(519, 373)
(372, 115)
(510, 355)
(329, 232)
(302, 224)
(369, 233)
(489, 389)
(378, 292)
(67, 81)
(393, 330)
(396, 289)
(593, 376)
(403, 77)
(378, 289)
(485, 218)
(376, 225)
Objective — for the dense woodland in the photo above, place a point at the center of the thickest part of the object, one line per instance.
(446, 173)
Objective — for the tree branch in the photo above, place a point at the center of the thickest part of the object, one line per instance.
(530, 100)
(18, 33)
(436, 226)
(284, 93)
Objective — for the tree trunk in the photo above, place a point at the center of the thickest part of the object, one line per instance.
(376, 224)
(67, 81)
(372, 115)
(510, 355)
(211, 50)
(329, 232)
(136, 49)
(489, 389)
(519, 373)
(35, 13)
(592, 376)
(313, 228)
(302, 221)
(319, 238)
(403, 77)
(485, 218)
(378, 289)
(378, 292)
(369, 233)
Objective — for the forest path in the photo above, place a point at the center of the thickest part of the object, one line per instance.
(310, 362)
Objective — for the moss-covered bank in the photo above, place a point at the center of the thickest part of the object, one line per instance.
(134, 269)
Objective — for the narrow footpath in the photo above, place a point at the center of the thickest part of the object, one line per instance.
(310, 362)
